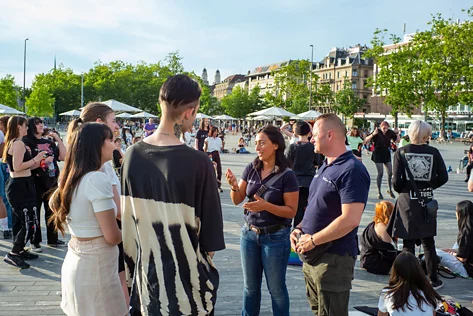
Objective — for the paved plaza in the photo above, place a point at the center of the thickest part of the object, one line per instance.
(35, 291)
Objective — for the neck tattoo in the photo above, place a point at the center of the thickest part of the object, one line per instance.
(165, 134)
(177, 130)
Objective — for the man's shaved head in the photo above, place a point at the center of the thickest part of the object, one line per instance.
(331, 122)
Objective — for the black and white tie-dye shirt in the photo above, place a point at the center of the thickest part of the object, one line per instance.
(171, 219)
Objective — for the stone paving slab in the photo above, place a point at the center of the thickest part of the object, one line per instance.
(35, 291)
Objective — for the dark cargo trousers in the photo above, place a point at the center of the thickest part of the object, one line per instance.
(328, 284)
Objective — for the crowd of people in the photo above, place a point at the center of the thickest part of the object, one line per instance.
(145, 223)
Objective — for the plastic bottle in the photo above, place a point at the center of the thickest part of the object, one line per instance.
(51, 169)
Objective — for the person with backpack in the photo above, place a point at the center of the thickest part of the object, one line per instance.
(409, 292)
(419, 169)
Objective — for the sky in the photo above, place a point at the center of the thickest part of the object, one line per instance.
(232, 36)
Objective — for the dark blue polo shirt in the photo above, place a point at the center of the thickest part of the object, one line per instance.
(275, 195)
(344, 181)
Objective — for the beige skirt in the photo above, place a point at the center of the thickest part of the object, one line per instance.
(89, 280)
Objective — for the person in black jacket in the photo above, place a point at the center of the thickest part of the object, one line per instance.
(301, 156)
(377, 247)
(409, 220)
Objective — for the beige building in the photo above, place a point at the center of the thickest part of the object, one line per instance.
(261, 76)
(226, 86)
(341, 65)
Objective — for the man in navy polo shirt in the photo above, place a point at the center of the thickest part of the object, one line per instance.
(337, 198)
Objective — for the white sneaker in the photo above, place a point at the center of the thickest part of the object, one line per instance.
(36, 248)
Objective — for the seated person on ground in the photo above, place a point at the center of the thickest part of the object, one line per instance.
(464, 252)
(241, 146)
(377, 247)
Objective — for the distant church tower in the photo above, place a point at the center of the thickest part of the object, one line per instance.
(204, 77)
(217, 77)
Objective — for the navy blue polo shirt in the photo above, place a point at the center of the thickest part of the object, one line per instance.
(275, 195)
(344, 181)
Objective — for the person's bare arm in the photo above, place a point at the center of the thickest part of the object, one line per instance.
(237, 194)
(109, 227)
(206, 145)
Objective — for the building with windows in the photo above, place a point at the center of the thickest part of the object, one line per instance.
(261, 76)
(343, 66)
(226, 86)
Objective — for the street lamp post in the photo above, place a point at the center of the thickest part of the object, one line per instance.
(24, 77)
(310, 82)
(82, 91)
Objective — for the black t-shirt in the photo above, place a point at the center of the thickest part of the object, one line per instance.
(302, 157)
(465, 250)
(171, 218)
(274, 194)
(201, 136)
(381, 140)
(47, 174)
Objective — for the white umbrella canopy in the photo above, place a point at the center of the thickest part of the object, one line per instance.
(71, 113)
(124, 115)
(202, 116)
(273, 112)
(5, 109)
(144, 115)
(224, 117)
(262, 118)
(309, 114)
(118, 106)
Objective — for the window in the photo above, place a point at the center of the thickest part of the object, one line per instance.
(366, 73)
(346, 73)
(330, 75)
(365, 84)
(338, 86)
(338, 74)
(353, 85)
(354, 73)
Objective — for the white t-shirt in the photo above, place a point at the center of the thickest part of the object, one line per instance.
(385, 305)
(213, 144)
(93, 195)
(107, 168)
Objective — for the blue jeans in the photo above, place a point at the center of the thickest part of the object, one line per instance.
(268, 254)
(4, 176)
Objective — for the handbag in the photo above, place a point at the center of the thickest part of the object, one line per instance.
(431, 207)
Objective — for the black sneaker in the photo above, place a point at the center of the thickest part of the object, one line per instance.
(58, 243)
(437, 284)
(391, 194)
(16, 261)
(7, 234)
(380, 196)
(26, 255)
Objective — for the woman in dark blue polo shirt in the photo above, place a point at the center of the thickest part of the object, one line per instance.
(264, 241)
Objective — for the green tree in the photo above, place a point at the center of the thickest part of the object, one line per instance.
(347, 101)
(40, 102)
(324, 97)
(237, 103)
(8, 91)
(257, 101)
(395, 76)
(292, 83)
